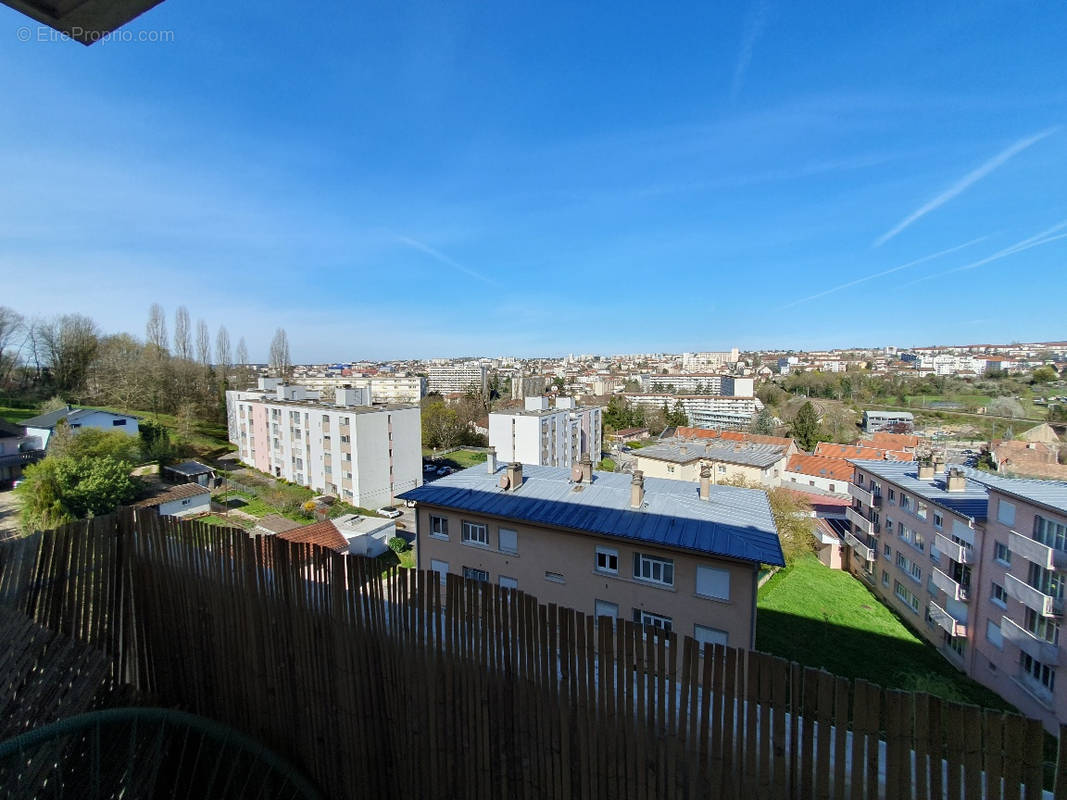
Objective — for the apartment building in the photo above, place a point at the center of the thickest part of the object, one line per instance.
(383, 388)
(557, 436)
(704, 383)
(976, 562)
(761, 464)
(363, 454)
(523, 386)
(692, 361)
(457, 378)
(668, 554)
(705, 411)
(893, 421)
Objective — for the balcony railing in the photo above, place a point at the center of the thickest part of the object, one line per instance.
(1043, 604)
(946, 621)
(21, 458)
(859, 522)
(862, 550)
(863, 495)
(949, 586)
(957, 552)
(1036, 552)
(1033, 646)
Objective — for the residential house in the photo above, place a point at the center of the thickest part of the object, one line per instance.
(44, 425)
(351, 534)
(183, 500)
(829, 474)
(17, 449)
(679, 459)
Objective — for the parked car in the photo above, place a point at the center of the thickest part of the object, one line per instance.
(443, 471)
(390, 511)
(429, 467)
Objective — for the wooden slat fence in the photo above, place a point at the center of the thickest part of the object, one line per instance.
(394, 683)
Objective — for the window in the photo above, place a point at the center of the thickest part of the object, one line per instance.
(999, 596)
(887, 551)
(508, 540)
(1005, 512)
(833, 487)
(607, 560)
(993, 634)
(345, 438)
(892, 495)
(1042, 627)
(888, 525)
(438, 527)
(1001, 553)
(475, 533)
(920, 509)
(118, 422)
(914, 538)
(476, 574)
(905, 502)
(555, 577)
(705, 635)
(653, 569)
(939, 521)
(1049, 532)
(440, 567)
(1035, 670)
(670, 468)
(902, 593)
(602, 608)
(1045, 581)
(642, 617)
(885, 578)
(508, 583)
(713, 582)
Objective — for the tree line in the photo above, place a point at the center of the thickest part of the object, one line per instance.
(176, 368)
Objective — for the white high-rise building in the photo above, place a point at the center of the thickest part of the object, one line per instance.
(363, 454)
(548, 437)
(453, 378)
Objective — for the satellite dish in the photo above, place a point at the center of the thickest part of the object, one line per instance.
(576, 474)
(504, 481)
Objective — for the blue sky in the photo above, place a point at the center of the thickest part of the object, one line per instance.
(430, 179)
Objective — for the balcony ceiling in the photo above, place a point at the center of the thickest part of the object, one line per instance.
(85, 21)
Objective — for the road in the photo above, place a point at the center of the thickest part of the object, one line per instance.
(9, 515)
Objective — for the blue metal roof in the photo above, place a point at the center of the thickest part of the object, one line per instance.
(733, 523)
(1052, 494)
(972, 502)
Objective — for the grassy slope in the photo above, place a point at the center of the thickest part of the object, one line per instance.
(826, 618)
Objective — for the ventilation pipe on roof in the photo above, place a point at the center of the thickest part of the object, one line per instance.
(705, 482)
(637, 489)
(490, 460)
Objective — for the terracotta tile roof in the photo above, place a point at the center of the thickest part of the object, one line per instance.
(733, 436)
(860, 452)
(891, 441)
(820, 467)
(321, 534)
(179, 492)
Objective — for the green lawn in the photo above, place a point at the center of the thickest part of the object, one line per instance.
(390, 559)
(251, 504)
(13, 414)
(826, 618)
(223, 522)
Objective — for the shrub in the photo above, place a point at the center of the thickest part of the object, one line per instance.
(397, 545)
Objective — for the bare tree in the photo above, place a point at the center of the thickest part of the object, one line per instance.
(203, 343)
(222, 351)
(156, 329)
(280, 364)
(11, 325)
(244, 372)
(183, 346)
(70, 344)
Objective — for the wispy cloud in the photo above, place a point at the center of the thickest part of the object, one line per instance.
(754, 27)
(964, 183)
(885, 272)
(415, 244)
(1046, 236)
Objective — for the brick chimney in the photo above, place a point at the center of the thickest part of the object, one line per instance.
(514, 475)
(587, 469)
(926, 470)
(637, 489)
(490, 461)
(705, 482)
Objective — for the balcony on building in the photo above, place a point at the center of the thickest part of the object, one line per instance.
(1034, 646)
(952, 588)
(859, 522)
(862, 550)
(1043, 604)
(1036, 552)
(957, 552)
(946, 621)
(863, 495)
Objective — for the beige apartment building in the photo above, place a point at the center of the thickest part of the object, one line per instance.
(975, 562)
(674, 555)
(729, 461)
